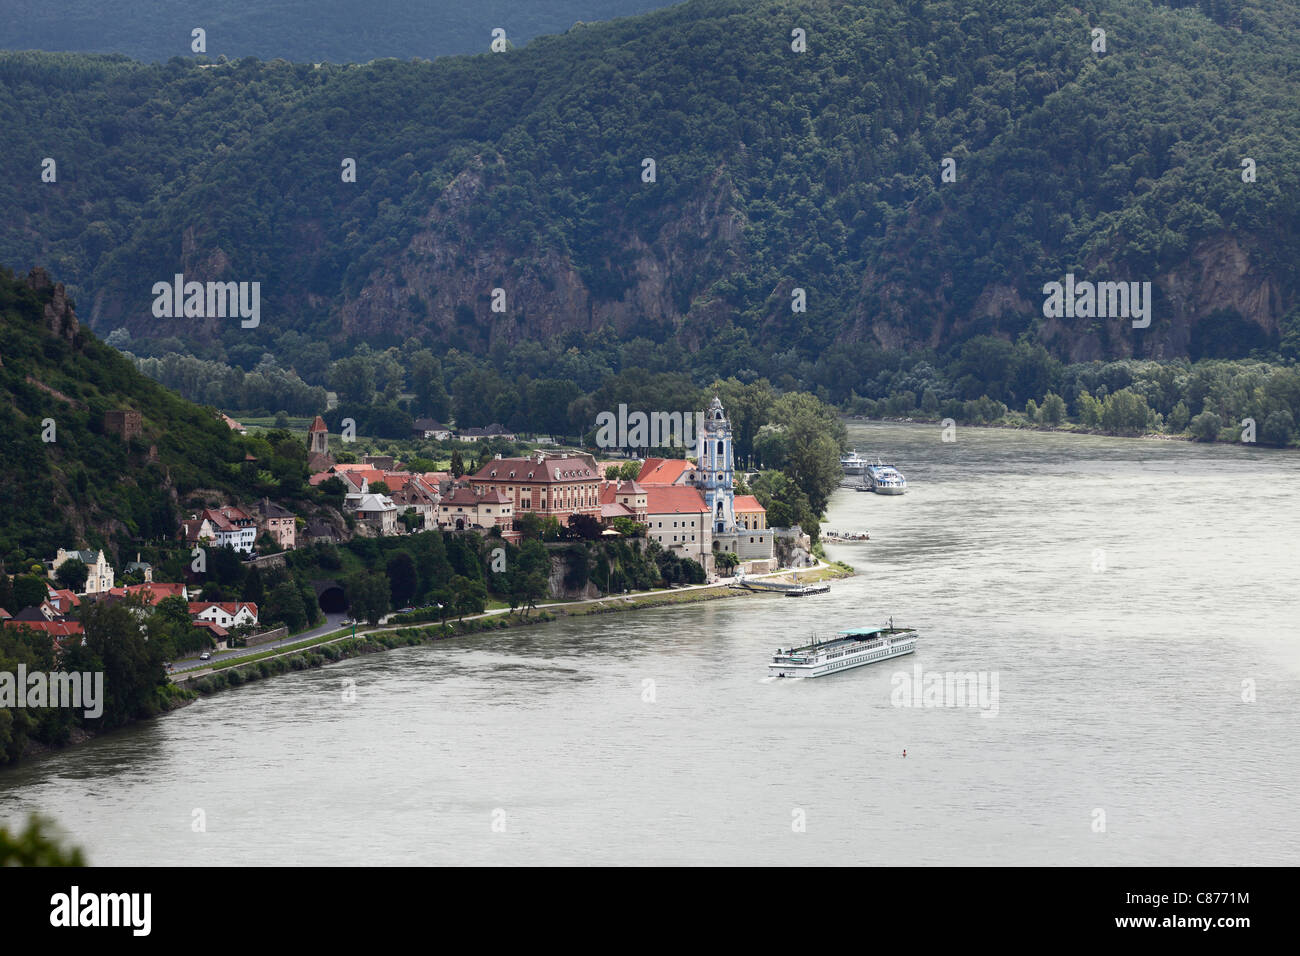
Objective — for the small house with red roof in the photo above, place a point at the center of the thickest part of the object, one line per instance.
(226, 614)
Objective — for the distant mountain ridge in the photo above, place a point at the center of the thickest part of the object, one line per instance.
(775, 172)
(339, 31)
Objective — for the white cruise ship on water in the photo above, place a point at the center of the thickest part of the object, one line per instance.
(885, 479)
(854, 464)
(845, 650)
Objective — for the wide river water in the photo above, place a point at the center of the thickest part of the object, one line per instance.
(1135, 602)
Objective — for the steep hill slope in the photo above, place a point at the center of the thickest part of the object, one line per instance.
(69, 476)
(775, 171)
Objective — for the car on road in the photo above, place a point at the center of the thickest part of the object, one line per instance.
(404, 610)
(205, 656)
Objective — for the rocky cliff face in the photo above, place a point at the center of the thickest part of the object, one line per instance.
(60, 319)
(435, 283)
(1220, 273)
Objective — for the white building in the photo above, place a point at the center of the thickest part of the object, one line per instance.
(100, 576)
(224, 614)
(377, 512)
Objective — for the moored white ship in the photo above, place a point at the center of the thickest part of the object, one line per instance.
(885, 479)
(846, 649)
(854, 464)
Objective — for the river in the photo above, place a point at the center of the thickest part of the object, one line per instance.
(1133, 600)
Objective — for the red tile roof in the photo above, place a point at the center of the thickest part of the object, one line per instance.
(466, 496)
(356, 472)
(610, 490)
(227, 518)
(318, 425)
(550, 470)
(62, 600)
(748, 504)
(53, 628)
(230, 607)
(664, 471)
(191, 527)
(156, 591)
(668, 499)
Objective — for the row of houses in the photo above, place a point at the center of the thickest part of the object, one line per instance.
(232, 526)
(56, 614)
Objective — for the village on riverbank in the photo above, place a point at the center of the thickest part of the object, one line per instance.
(391, 551)
(686, 516)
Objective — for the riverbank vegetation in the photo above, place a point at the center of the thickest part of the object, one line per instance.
(125, 646)
(990, 381)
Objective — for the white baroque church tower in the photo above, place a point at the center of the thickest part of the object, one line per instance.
(716, 469)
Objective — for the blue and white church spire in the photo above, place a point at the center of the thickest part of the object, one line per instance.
(716, 468)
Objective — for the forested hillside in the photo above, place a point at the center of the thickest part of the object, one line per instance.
(69, 479)
(341, 31)
(774, 171)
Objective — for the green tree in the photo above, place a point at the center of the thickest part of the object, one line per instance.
(354, 379)
(1178, 419)
(37, 845)
(72, 574)
(431, 397)
(814, 435)
(1206, 426)
(1278, 428)
(132, 665)
(469, 596)
(1052, 411)
(173, 610)
(457, 465)
(29, 591)
(284, 606)
(253, 591)
(1089, 410)
(368, 595)
(1124, 411)
(403, 581)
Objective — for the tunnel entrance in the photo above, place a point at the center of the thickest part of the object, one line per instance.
(330, 596)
